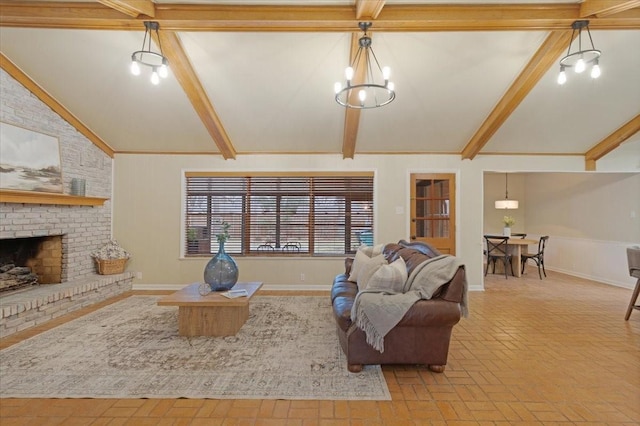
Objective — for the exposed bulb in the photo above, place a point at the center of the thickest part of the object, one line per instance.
(362, 95)
(337, 87)
(135, 68)
(562, 77)
(163, 71)
(391, 86)
(349, 73)
(386, 73)
(155, 78)
(580, 66)
(595, 71)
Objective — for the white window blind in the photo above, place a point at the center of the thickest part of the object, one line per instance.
(308, 214)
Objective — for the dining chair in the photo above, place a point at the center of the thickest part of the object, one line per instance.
(536, 257)
(633, 260)
(519, 235)
(497, 249)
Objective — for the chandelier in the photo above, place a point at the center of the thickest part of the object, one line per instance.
(371, 88)
(156, 61)
(506, 203)
(581, 58)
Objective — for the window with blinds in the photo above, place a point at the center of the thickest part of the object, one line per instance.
(311, 214)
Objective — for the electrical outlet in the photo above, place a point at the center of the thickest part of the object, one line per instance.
(139, 275)
(302, 277)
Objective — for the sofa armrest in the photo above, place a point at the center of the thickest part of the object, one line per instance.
(455, 288)
(431, 312)
(348, 263)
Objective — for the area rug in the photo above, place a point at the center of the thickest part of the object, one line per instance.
(288, 349)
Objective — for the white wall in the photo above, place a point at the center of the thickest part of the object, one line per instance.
(591, 219)
(148, 208)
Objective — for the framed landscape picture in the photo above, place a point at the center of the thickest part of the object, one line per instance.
(29, 160)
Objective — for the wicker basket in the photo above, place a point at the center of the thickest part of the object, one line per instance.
(111, 266)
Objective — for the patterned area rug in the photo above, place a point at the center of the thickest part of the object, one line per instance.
(288, 349)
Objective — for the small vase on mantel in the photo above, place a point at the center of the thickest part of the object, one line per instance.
(221, 273)
(506, 231)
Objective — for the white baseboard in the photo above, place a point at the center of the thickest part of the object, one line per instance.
(589, 277)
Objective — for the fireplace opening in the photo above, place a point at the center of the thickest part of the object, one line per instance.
(30, 261)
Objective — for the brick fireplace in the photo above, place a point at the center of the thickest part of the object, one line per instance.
(66, 232)
(83, 228)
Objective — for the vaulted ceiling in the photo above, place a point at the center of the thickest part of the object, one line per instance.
(256, 77)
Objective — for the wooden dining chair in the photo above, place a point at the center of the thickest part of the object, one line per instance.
(497, 249)
(519, 235)
(536, 257)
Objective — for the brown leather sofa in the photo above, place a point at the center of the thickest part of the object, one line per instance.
(423, 334)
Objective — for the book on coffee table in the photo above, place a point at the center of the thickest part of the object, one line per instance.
(232, 294)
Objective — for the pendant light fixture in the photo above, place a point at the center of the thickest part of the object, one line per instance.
(506, 204)
(156, 61)
(375, 90)
(580, 59)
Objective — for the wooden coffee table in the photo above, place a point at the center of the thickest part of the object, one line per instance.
(213, 314)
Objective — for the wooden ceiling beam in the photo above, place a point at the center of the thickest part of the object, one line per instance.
(603, 8)
(182, 69)
(189, 17)
(133, 8)
(547, 55)
(368, 9)
(15, 72)
(611, 142)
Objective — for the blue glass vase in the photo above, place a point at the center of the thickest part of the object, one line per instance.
(221, 272)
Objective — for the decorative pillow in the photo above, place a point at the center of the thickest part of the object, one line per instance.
(368, 269)
(390, 278)
(371, 251)
(358, 262)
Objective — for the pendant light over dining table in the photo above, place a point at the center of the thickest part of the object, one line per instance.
(367, 84)
(506, 204)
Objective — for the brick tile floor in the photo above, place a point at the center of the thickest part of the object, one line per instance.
(552, 351)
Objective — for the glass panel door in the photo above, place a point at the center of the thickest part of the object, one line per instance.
(432, 215)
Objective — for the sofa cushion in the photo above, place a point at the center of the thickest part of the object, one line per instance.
(343, 287)
(390, 277)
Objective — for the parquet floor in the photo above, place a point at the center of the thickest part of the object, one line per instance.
(552, 351)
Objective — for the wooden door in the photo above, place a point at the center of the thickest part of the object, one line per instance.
(433, 210)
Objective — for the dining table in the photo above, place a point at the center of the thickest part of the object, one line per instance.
(516, 247)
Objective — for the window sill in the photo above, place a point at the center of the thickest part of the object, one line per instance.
(32, 197)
